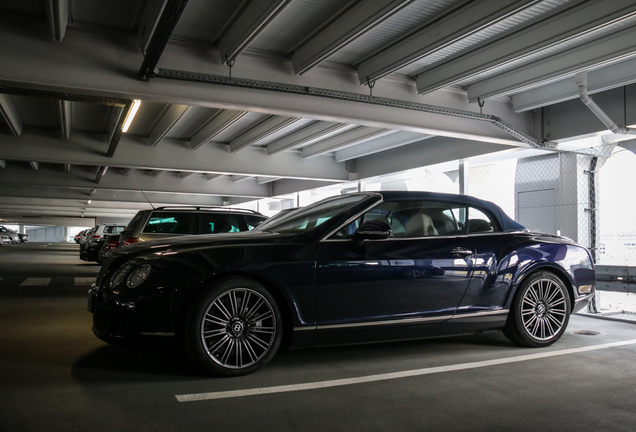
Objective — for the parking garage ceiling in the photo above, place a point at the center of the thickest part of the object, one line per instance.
(249, 99)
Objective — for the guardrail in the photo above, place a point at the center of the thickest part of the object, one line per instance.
(616, 278)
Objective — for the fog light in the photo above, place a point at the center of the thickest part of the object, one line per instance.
(585, 289)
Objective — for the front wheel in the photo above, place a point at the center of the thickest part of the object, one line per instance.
(540, 311)
(233, 329)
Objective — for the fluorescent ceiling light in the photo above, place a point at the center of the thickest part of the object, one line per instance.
(131, 115)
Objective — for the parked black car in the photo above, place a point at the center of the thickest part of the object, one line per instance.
(175, 221)
(350, 269)
(95, 239)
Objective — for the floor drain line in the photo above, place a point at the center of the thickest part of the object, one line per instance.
(586, 333)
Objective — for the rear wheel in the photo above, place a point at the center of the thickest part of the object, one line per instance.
(540, 311)
(233, 329)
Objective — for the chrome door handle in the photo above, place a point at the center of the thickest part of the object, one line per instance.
(461, 252)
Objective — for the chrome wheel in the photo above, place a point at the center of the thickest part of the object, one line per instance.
(539, 312)
(543, 309)
(238, 328)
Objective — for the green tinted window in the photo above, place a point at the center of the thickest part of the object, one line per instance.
(169, 222)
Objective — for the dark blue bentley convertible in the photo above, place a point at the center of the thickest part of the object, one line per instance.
(353, 268)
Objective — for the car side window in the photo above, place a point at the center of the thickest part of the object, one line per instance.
(475, 221)
(408, 219)
(170, 223)
(214, 223)
(479, 222)
(252, 222)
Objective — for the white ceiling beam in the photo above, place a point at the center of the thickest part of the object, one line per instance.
(184, 175)
(307, 134)
(157, 173)
(3, 163)
(452, 27)
(123, 200)
(70, 70)
(265, 180)
(376, 145)
(127, 171)
(600, 52)
(209, 177)
(574, 22)
(254, 19)
(237, 179)
(219, 123)
(345, 139)
(67, 168)
(362, 17)
(607, 78)
(261, 131)
(432, 151)
(83, 178)
(10, 114)
(34, 165)
(88, 149)
(65, 117)
(57, 13)
(167, 120)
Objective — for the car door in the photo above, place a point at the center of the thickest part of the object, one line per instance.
(417, 275)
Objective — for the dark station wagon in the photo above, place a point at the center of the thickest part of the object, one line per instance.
(354, 268)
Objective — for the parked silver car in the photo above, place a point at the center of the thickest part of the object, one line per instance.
(14, 236)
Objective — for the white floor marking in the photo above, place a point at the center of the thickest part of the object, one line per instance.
(84, 280)
(36, 282)
(393, 375)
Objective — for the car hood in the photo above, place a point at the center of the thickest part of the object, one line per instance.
(182, 243)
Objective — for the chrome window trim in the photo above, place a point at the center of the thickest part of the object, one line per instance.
(327, 239)
(428, 237)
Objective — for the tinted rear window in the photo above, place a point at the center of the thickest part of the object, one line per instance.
(212, 223)
(170, 223)
(113, 229)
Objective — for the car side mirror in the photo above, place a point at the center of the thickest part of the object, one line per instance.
(371, 230)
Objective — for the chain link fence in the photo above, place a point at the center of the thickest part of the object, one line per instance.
(554, 194)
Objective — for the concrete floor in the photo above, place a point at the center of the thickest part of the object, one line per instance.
(56, 376)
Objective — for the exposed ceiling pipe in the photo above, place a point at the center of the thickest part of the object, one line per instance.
(624, 133)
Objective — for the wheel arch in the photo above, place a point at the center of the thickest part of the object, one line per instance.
(282, 301)
(559, 272)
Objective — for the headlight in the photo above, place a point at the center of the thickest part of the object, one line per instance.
(139, 275)
(119, 276)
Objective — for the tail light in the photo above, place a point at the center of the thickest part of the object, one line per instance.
(112, 243)
(95, 236)
(130, 240)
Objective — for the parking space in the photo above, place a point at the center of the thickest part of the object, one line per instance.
(56, 375)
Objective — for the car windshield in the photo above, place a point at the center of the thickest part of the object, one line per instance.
(312, 216)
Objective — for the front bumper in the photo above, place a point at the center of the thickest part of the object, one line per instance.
(121, 315)
(112, 318)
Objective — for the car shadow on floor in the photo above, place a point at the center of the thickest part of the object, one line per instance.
(161, 358)
(150, 358)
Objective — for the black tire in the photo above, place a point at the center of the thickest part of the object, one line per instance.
(233, 329)
(540, 311)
